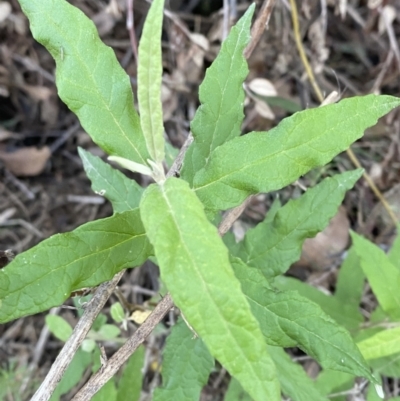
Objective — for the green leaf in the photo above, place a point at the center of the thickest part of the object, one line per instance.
(130, 385)
(88, 345)
(387, 366)
(350, 282)
(117, 312)
(89, 79)
(108, 332)
(283, 103)
(100, 321)
(171, 152)
(331, 382)
(186, 366)
(59, 327)
(149, 82)
(268, 161)
(96, 355)
(45, 275)
(123, 193)
(106, 393)
(235, 392)
(195, 267)
(288, 320)
(273, 245)
(220, 115)
(343, 314)
(372, 394)
(394, 253)
(384, 343)
(382, 275)
(294, 380)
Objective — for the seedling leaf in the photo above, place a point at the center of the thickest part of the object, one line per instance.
(90, 81)
(267, 161)
(59, 327)
(117, 312)
(45, 275)
(194, 265)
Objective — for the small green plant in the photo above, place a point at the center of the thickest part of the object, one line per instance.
(128, 386)
(234, 297)
(12, 379)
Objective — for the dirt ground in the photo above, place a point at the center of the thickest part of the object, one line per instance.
(353, 47)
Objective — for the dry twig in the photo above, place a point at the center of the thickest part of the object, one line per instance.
(93, 308)
(259, 25)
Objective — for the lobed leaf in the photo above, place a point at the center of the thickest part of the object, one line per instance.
(45, 275)
(89, 79)
(123, 193)
(288, 320)
(195, 267)
(149, 82)
(294, 380)
(221, 94)
(384, 343)
(268, 161)
(382, 275)
(187, 364)
(274, 244)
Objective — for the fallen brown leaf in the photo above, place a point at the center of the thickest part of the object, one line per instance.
(320, 252)
(26, 162)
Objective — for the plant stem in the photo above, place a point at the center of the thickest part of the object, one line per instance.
(259, 26)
